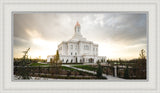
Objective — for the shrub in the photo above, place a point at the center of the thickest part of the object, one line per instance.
(99, 70)
(126, 75)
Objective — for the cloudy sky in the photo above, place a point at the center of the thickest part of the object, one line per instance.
(119, 35)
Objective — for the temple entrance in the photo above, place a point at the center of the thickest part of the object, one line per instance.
(76, 60)
(91, 60)
(80, 61)
(83, 60)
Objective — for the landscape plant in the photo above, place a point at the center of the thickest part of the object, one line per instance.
(99, 70)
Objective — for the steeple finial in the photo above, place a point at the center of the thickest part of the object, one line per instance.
(77, 24)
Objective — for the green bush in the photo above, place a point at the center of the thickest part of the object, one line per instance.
(126, 75)
(99, 70)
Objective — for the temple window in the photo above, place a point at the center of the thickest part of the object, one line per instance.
(71, 46)
(86, 47)
(60, 48)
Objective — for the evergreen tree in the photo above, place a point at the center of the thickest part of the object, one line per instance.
(99, 70)
(126, 74)
(56, 59)
(76, 60)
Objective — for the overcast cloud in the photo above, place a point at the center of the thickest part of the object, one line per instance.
(121, 35)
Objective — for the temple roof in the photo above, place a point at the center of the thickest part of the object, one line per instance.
(77, 38)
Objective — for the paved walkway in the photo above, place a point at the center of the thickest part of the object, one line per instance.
(109, 77)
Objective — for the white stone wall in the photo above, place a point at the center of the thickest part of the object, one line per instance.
(62, 48)
(49, 57)
(80, 59)
(82, 50)
(71, 59)
(72, 51)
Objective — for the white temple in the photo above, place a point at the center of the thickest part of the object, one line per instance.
(78, 49)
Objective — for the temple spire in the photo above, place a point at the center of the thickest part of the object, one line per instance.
(77, 28)
(77, 34)
(77, 24)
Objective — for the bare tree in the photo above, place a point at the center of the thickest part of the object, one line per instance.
(141, 65)
(142, 54)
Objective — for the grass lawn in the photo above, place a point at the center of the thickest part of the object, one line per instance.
(71, 69)
(68, 68)
(87, 67)
(73, 63)
(63, 67)
(38, 64)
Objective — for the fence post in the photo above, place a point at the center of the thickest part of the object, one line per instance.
(115, 71)
(106, 70)
(39, 72)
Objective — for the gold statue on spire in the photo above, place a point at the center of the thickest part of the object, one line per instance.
(77, 24)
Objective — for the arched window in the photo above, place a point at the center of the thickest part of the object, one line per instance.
(86, 47)
(50, 59)
(76, 47)
(71, 46)
(60, 48)
(71, 53)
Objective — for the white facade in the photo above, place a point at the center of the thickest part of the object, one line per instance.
(78, 49)
(50, 58)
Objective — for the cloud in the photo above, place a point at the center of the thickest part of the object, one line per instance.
(120, 27)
